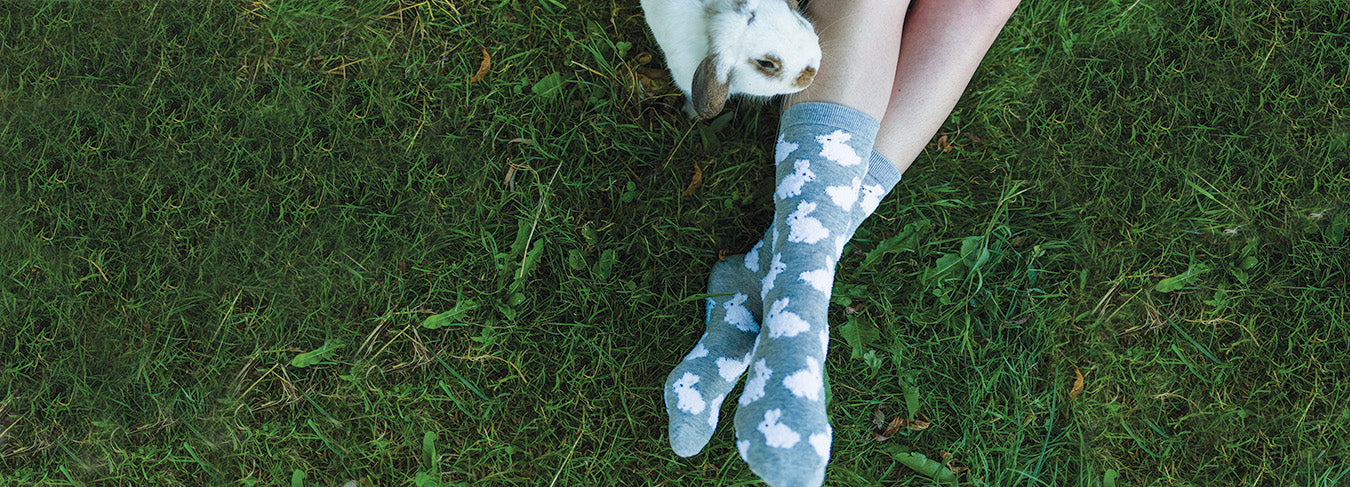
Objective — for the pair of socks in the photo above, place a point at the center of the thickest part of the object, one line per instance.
(768, 313)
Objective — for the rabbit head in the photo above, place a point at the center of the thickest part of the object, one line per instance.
(757, 48)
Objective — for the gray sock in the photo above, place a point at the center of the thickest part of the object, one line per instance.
(782, 428)
(695, 389)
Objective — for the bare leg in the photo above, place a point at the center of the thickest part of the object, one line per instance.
(824, 190)
(852, 34)
(942, 44)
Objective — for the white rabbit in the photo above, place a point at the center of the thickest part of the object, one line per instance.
(718, 48)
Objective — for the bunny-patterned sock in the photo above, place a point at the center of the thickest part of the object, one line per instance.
(697, 386)
(695, 389)
(782, 429)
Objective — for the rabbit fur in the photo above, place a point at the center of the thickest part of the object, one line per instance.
(718, 48)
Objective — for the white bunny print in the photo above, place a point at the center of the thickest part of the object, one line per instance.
(871, 197)
(738, 315)
(754, 388)
(834, 148)
(843, 196)
(698, 352)
(782, 149)
(730, 368)
(777, 435)
(821, 442)
(820, 279)
(775, 268)
(791, 185)
(783, 323)
(804, 229)
(690, 400)
(752, 257)
(806, 383)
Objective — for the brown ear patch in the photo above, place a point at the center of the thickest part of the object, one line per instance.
(792, 4)
(708, 93)
(804, 78)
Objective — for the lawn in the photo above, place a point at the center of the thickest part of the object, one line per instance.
(225, 225)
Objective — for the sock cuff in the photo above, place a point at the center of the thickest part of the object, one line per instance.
(881, 171)
(830, 114)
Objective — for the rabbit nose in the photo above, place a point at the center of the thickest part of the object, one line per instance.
(804, 78)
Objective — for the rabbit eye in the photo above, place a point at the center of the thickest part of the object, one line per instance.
(768, 65)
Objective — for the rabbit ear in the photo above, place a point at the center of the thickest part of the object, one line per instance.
(792, 4)
(708, 93)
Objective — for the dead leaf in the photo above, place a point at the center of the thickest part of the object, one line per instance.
(956, 469)
(640, 80)
(483, 67)
(882, 430)
(652, 80)
(1077, 383)
(944, 145)
(509, 180)
(694, 182)
(895, 424)
(918, 425)
(950, 463)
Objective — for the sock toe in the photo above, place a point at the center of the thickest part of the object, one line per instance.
(793, 478)
(787, 468)
(687, 440)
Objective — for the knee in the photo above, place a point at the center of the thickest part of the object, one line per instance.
(1000, 8)
(988, 14)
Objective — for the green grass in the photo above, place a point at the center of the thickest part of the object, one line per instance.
(193, 194)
